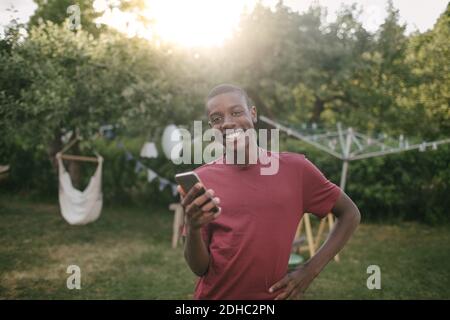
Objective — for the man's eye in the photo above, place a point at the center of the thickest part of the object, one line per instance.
(215, 119)
(237, 113)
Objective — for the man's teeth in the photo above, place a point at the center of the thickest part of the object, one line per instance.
(234, 135)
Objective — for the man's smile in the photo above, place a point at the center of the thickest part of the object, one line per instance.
(233, 134)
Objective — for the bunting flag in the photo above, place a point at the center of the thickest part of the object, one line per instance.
(151, 175)
(138, 167)
(128, 156)
(174, 190)
(163, 183)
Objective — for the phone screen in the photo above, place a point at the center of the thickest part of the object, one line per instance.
(187, 180)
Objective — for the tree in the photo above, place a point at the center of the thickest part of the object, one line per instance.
(296, 64)
(426, 101)
(73, 82)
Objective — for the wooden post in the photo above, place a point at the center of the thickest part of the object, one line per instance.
(319, 234)
(177, 222)
(330, 226)
(299, 229)
(309, 235)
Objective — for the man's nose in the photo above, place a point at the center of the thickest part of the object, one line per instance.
(228, 123)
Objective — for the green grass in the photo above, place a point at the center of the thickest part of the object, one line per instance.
(126, 254)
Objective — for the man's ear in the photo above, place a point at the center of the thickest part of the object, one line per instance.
(254, 114)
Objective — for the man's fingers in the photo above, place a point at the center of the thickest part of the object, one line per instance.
(199, 202)
(192, 211)
(281, 296)
(280, 284)
(204, 216)
(198, 198)
(189, 197)
(200, 205)
(208, 217)
(292, 288)
(211, 204)
(287, 292)
(205, 198)
(191, 194)
(288, 285)
(295, 294)
(181, 191)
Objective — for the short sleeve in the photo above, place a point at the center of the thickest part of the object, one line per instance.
(319, 194)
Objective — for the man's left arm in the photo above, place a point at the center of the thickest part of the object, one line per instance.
(295, 283)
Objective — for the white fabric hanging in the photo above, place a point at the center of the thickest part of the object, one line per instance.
(77, 207)
(149, 150)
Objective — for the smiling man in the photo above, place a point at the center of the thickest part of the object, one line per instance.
(242, 251)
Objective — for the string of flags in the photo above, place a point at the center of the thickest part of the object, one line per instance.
(148, 151)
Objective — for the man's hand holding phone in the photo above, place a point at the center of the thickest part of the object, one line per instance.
(200, 206)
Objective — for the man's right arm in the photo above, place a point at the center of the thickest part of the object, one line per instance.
(196, 253)
(198, 211)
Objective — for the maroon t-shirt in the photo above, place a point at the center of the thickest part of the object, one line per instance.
(250, 242)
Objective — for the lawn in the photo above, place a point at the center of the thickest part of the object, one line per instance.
(126, 254)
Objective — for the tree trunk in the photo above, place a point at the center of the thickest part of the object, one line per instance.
(74, 167)
(319, 106)
(53, 148)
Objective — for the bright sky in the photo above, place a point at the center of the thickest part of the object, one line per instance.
(209, 22)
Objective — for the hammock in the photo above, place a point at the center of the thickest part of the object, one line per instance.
(79, 208)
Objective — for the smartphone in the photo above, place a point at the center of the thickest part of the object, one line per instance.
(187, 180)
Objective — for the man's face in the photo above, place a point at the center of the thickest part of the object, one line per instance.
(229, 113)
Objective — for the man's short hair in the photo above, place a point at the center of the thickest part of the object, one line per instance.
(226, 88)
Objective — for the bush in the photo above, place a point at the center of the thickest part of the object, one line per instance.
(406, 186)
